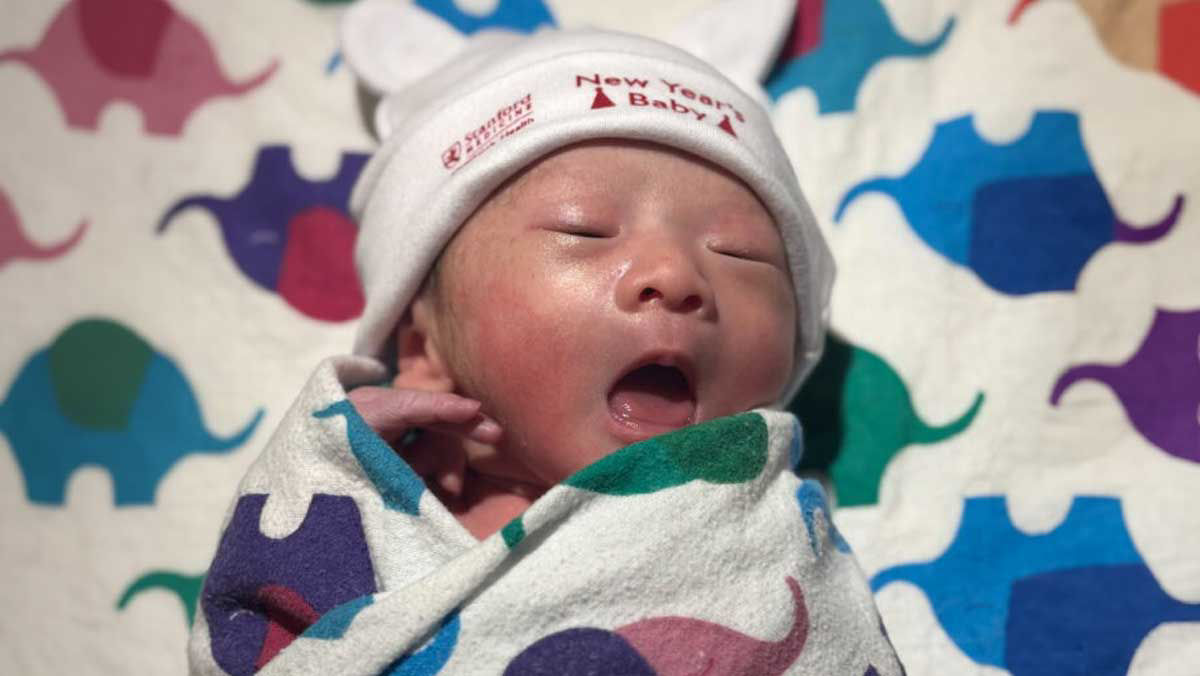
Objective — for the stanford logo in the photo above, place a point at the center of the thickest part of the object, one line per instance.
(452, 156)
(506, 121)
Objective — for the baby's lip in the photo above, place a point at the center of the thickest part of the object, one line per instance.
(669, 358)
(653, 395)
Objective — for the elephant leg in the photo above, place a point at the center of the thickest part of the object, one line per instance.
(135, 481)
(45, 476)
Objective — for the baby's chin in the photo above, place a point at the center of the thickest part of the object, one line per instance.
(561, 453)
(555, 467)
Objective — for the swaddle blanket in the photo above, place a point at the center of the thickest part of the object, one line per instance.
(698, 552)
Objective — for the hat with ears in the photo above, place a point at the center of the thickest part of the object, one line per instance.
(501, 101)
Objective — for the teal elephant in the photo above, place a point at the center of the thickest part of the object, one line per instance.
(101, 395)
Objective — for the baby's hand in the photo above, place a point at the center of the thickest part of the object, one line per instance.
(393, 412)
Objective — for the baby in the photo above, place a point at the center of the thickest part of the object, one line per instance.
(661, 270)
(586, 258)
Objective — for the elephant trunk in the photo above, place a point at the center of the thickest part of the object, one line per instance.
(1074, 375)
(1183, 612)
(54, 250)
(789, 647)
(186, 587)
(19, 55)
(905, 573)
(873, 185)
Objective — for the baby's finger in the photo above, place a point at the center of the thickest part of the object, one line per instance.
(391, 412)
(437, 463)
(480, 428)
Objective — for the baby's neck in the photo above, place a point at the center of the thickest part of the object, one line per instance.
(487, 503)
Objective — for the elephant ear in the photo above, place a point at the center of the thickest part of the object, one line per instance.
(741, 38)
(392, 45)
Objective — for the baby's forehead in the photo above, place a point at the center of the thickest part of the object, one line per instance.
(567, 165)
(619, 168)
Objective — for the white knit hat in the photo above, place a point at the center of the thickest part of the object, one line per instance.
(505, 101)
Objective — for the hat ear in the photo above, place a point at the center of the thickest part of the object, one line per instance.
(389, 45)
(744, 55)
(473, 53)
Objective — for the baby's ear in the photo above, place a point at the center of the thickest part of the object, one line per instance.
(419, 363)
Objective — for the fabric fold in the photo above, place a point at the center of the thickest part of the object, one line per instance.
(699, 549)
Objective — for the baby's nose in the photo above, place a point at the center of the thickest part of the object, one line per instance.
(680, 302)
(668, 277)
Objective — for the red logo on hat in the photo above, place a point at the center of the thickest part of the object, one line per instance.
(452, 155)
(506, 121)
(646, 92)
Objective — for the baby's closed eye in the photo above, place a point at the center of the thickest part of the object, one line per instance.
(590, 232)
(745, 251)
(735, 251)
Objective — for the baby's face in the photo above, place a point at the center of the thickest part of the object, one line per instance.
(613, 292)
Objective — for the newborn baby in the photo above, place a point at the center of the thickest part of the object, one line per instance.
(592, 280)
(662, 270)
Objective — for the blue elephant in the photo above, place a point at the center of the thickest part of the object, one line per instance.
(101, 395)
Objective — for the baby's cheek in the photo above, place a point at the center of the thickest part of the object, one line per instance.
(516, 343)
(778, 369)
(765, 355)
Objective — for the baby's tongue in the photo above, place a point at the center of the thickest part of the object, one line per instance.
(658, 395)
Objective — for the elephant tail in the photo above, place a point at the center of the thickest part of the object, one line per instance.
(910, 572)
(206, 201)
(1123, 232)
(218, 444)
(930, 435)
(872, 185)
(235, 88)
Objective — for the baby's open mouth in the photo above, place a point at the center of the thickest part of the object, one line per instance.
(652, 399)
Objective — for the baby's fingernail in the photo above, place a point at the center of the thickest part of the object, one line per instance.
(489, 429)
(463, 401)
(451, 483)
(461, 406)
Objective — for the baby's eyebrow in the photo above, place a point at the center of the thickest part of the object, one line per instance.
(519, 183)
(741, 213)
(557, 187)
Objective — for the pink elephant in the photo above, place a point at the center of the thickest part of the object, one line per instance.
(141, 51)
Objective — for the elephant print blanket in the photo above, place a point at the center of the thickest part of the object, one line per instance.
(699, 551)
